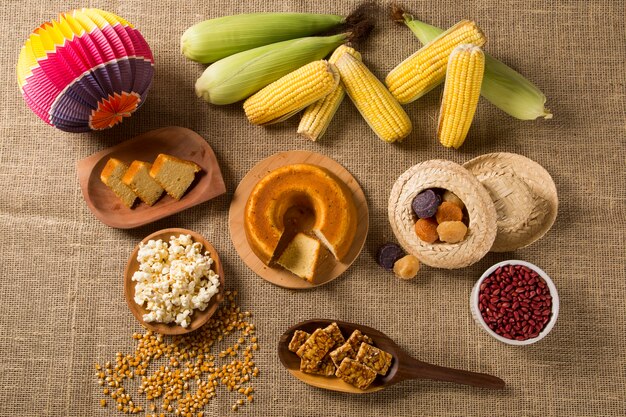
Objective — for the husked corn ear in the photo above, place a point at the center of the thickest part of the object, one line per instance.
(461, 92)
(291, 93)
(317, 116)
(426, 68)
(506, 88)
(375, 103)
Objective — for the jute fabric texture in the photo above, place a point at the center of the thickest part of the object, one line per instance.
(62, 306)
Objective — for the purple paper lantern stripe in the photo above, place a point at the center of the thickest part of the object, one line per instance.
(72, 109)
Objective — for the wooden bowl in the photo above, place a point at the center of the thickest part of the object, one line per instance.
(177, 141)
(199, 318)
(279, 276)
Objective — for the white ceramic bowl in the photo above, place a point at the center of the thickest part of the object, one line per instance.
(478, 318)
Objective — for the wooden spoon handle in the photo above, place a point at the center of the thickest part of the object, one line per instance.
(422, 370)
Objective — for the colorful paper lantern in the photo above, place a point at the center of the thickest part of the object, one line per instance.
(85, 71)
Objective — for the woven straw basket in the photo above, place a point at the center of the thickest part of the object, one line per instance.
(481, 210)
(523, 193)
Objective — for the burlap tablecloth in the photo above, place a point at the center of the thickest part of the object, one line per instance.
(62, 305)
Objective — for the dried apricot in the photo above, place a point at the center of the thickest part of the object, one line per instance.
(406, 267)
(426, 230)
(448, 212)
(452, 198)
(452, 232)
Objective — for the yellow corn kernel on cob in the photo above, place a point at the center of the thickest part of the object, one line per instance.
(317, 116)
(375, 103)
(426, 68)
(288, 95)
(464, 77)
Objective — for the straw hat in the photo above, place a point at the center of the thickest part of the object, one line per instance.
(524, 196)
(450, 176)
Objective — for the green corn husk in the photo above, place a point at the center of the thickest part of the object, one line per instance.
(504, 87)
(239, 76)
(214, 39)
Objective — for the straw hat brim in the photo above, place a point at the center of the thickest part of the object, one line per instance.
(524, 196)
(453, 177)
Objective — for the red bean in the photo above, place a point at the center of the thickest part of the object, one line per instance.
(515, 302)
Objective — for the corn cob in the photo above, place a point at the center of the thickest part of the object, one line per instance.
(239, 76)
(504, 87)
(290, 94)
(461, 92)
(375, 103)
(214, 39)
(426, 68)
(317, 116)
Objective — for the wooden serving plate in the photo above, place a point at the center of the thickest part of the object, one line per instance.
(177, 141)
(278, 276)
(199, 318)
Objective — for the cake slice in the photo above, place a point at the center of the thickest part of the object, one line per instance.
(173, 174)
(112, 175)
(138, 178)
(302, 256)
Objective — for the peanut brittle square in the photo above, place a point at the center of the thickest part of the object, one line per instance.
(325, 368)
(355, 373)
(314, 349)
(334, 332)
(375, 358)
(342, 352)
(356, 338)
(298, 339)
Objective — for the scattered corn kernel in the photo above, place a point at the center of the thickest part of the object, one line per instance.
(103, 403)
(188, 358)
(452, 232)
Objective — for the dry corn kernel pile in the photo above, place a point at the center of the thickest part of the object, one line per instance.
(193, 375)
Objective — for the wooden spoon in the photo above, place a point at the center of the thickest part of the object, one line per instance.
(198, 318)
(402, 368)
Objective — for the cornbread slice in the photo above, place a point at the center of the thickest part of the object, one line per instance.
(173, 174)
(302, 256)
(112, 175)
(138, 178)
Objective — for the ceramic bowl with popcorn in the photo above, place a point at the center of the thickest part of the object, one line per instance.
(174, 281)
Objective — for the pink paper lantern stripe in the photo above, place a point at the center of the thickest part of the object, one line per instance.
(88, 61)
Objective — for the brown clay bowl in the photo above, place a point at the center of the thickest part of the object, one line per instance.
(199, 318)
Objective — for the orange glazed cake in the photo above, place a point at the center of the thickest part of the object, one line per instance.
(173, 174)
(138, 178)
(112, 175)
(299, 185)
